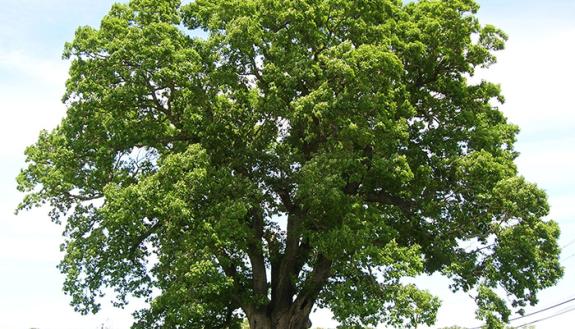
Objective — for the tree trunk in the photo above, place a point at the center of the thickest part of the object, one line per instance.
(259, 321)
(292, 318)
(298, 319)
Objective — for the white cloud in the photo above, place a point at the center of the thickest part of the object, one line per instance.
(39, 69)
(56, 313)
(562, 210)
(549, 164)
(29, 236)
(30, 94)
(536, 75)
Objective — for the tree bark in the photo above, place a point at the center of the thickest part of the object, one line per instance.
(297, 317)
(292, 312)
(293, 318)
(259, 321)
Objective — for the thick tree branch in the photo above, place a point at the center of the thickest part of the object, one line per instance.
(313, 285)
(231, 271)
(284, 288)
(383, 197)
(164, 109)
(151, 230)
(318, 277)
(256, 255)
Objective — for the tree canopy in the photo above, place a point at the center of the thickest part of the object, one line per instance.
(224, 158)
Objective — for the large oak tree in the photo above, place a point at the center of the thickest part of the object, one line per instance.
(295, 154)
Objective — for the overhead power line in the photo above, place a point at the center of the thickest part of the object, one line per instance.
(543, 310)
(568, 244)
(539, 311)
(547, 318)
(570, 256)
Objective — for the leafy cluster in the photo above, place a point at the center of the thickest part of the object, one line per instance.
(298, 153)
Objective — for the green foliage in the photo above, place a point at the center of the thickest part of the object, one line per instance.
(354, 123)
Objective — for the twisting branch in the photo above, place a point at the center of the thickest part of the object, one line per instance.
(151, 230)
(382, 197)
(313, 285)
(283, 289)
(255, 253)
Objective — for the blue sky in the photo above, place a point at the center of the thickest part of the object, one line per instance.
(536, 72)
